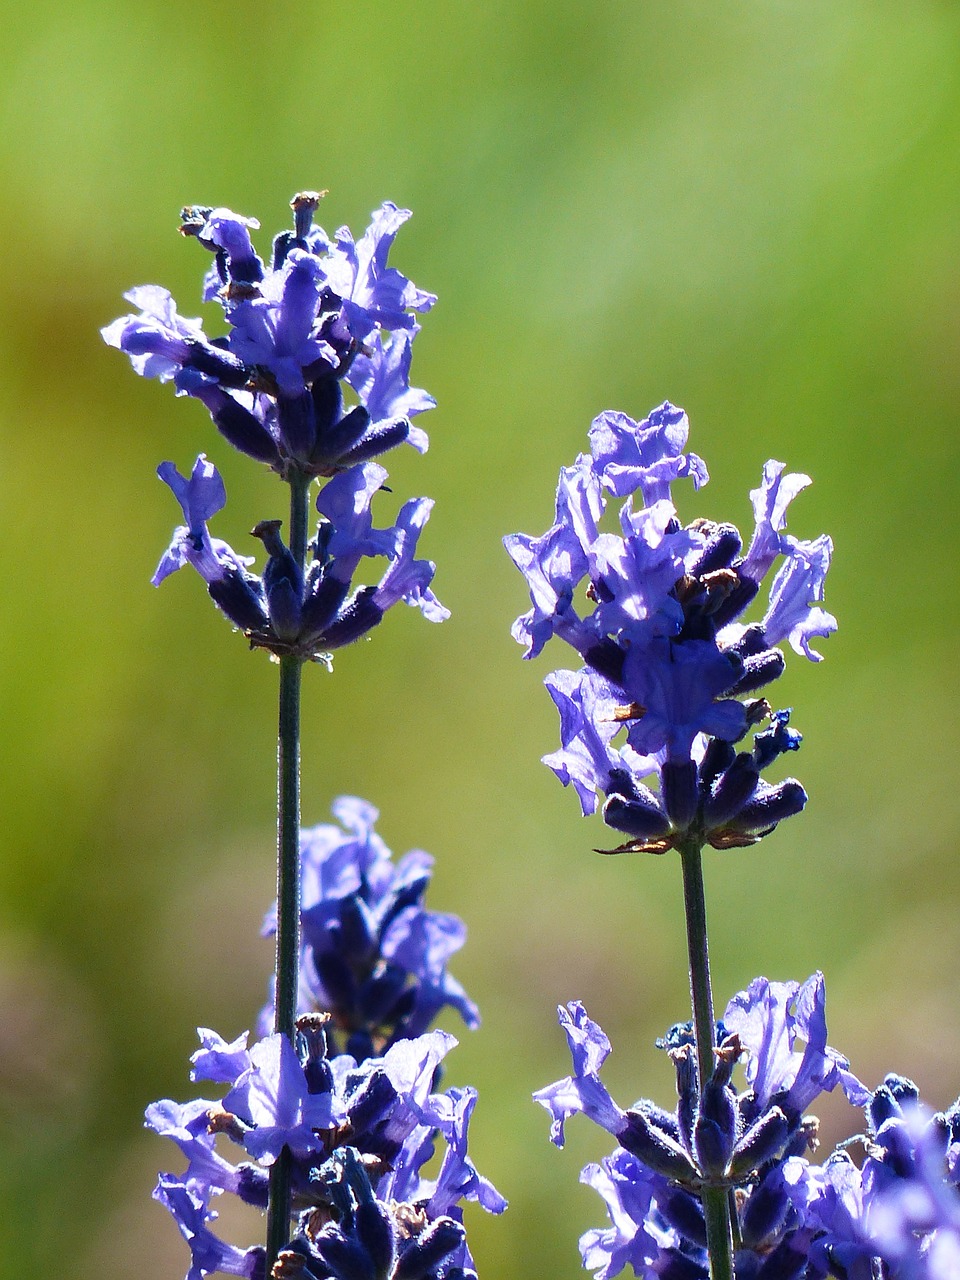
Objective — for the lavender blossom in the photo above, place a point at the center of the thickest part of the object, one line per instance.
(358, 1133)
(754, 1141)
(327, 313)
(319, 610)
(372, 956)
(895, 1216)
(669, 665)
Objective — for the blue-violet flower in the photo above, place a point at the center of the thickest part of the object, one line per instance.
(668, 662)
(327, 313)
(372, 956)
(314, 612)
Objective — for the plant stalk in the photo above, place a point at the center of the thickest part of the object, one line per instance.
(716, 1206)
(288, 872)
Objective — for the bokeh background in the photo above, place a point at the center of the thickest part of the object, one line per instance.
(749, 208)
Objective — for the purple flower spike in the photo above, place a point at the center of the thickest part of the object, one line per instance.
(273, 383)
(286, 611)
(668, 664)
(373, 956)
(359, 1135)
(898, 1216)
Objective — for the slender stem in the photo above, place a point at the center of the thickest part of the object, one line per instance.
(299, 516)
(695, 910)
(716, 1207)
(288, 872)
(288, 846)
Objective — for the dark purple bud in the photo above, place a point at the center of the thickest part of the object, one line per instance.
(409, 894)
(641, 817)
(424, 1254)
(336, 978)
(684, 1213)
(688, 1094)
(375, 1097)
(674, 1265)
(376, 1232)
(722, 547)
(898, 1148)
(655, 1148)
(731, 791)
(253, 1185)
(384, 436)
(327, 404)
(282, 581)
(334, 447)
(759, 670)
(752, 641)
(770, 806)
(662, 1119)
(377, 997)
(325, 595)
(234, 421)
(711, 1146)
(765, 1211)
(346, 1258)
(678, 781)
(903, 1090)
(735, 603)
(283, 242)
(238, 596)
(361, 615)
(606, 658)
(298, 428)
(882, 1106)
(718, 756)
(358, 929)
(214, 362)
(763, 1141)
(715, 1128)
(789, 1259)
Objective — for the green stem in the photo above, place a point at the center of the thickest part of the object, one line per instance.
(288, 871)
(716, 1207)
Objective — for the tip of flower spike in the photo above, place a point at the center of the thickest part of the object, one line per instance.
(304, 198)
(304, 205)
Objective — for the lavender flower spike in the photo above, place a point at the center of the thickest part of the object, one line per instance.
(314, 612)
(327, 315)
(373, 956)
(670, 669)
(752, 1144)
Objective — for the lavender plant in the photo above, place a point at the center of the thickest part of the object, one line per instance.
(336, 1107)
(657, 722)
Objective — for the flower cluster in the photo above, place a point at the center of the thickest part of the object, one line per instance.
(327, 319)
(359, 1126)
(313, 611)
(372, 957)
(667, 659)
(792, 1220)
(327, 312)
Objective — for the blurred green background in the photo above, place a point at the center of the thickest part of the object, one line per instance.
(748, 208)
